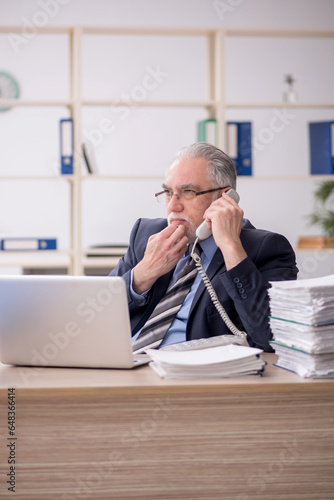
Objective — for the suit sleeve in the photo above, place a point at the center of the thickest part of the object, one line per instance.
(125, 265)
(248, 282)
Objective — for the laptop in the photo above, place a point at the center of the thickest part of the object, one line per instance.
(68, 321)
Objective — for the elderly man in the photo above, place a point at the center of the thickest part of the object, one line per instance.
(239, 259)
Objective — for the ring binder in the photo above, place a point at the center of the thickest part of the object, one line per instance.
(66, 146)
(322, 147)
(23, 244)
(239, 146)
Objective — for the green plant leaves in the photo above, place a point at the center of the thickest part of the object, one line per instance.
(323, 215)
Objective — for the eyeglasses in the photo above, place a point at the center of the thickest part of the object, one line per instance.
(166, 195)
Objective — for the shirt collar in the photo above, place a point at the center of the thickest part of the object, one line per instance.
(209, 247)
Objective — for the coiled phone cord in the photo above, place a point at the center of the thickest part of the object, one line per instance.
(213, 295)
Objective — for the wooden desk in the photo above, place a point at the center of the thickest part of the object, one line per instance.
(113, 434)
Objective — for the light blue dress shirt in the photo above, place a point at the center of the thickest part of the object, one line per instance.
(177, 331)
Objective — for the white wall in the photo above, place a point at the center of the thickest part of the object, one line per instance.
(312, 14)
(146, 140)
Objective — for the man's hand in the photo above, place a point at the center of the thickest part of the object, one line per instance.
(162, 253)
(225, 219)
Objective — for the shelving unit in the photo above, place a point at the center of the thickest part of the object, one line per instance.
(216, 106)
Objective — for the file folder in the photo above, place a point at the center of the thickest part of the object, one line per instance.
(66, 146)
(207, 131)
(239, 146)
(23, 244)
(322, 147)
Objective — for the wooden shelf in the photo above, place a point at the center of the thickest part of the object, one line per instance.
(278, 33)
(13, 103)
(278, 178)
(148, 31)
(208, 104)
(110, 177)
(67, 178)
(280, 104)
(149, 104)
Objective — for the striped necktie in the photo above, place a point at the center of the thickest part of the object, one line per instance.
(164, 312)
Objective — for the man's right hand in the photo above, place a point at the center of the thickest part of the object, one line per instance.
(163, 251)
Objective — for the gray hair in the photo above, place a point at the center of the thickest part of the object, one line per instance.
(221, 167)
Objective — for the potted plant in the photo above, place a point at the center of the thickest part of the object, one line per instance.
(323, 216)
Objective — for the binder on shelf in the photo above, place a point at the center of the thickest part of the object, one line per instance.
(89, 157)
(239, 146)
(322, 147)
(24, 244)
(66, 146)
(207, 131)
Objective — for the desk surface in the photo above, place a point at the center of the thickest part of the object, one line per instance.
(143, 380)
(130, 434)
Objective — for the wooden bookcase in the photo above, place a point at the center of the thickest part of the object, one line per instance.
(75, 259)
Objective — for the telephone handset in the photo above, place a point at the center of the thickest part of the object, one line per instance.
(203, 232)
(237, 337)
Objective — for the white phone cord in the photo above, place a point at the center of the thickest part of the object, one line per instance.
(213, 295)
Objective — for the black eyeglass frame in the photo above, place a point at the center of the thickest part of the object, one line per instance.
(196, 193)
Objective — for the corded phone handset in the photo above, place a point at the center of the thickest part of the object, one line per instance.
(203, 232)
(237, 337)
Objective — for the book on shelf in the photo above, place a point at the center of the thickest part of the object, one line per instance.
(302, 323)
(89, 157)
(322, 147)
(28, 244)
(107, 251)
(239, 146)
(214, 362)
(207, 131)
(66, 146)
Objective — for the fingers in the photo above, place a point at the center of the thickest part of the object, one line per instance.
(224, 206)
(228, 198)
(162, 253)
(167, 232)
(172, 241)
(164, 249)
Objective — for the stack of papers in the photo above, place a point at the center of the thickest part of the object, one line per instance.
(302, 322)
(213, 362)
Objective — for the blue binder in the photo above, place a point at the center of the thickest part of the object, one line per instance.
(239, 146)
(66, 146)
(28, 244)
(322, 147)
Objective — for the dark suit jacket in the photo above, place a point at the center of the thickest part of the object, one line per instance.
(242, 290)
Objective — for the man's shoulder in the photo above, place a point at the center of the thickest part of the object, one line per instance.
(156, 224)
(146, 227)
(251, 235)
(249, 229)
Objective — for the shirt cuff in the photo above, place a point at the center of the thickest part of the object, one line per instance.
(138, 299)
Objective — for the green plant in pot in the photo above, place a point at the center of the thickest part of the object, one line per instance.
(323, 214)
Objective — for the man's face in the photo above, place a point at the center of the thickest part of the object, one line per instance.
(188, 174)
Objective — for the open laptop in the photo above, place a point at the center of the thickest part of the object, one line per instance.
(69, 321)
